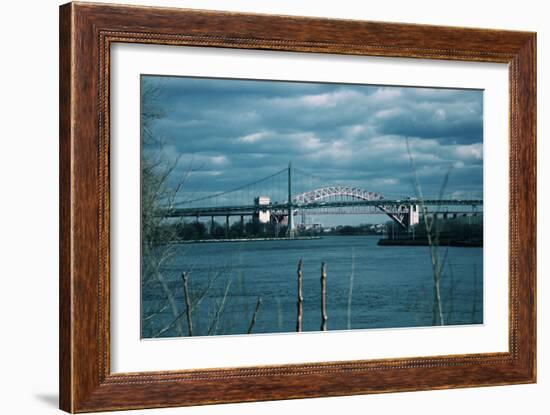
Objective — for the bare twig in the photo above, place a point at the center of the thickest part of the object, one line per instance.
(185, 277)
(199, 298)
(451, 294)
(220, 309)
(156, 313)
(432, 233)
(279, 314)
(195, 301)
(160, 278)
(162, 331)
(350, 292)
(474, 305)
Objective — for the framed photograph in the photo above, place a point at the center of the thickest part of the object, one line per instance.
(258, 207)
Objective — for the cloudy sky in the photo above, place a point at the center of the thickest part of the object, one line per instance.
(234, 131)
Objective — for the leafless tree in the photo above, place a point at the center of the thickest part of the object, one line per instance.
(162, 182)
(155, 188)
(432, 233)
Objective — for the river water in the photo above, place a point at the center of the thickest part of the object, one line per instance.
(391, 286)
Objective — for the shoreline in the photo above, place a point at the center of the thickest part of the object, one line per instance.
(283, 238)
(424, 242)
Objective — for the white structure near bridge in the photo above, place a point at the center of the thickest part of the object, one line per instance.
(262, 216)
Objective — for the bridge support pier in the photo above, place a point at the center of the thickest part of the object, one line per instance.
(226, 226)
(290, 231)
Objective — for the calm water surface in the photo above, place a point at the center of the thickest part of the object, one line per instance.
(391, 286)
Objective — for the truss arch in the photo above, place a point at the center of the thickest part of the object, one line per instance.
(341, 191)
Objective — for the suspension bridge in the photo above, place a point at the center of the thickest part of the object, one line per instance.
(291, 192)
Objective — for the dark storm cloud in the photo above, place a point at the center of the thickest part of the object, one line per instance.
(455, 116)
(234, 131)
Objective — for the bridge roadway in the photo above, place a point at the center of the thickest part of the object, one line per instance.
(246, 210)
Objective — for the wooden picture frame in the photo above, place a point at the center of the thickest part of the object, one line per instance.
(86, 33)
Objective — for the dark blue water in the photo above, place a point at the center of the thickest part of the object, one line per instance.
(391, 286)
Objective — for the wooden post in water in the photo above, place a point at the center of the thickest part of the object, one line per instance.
(324, 317)
(184, 276)
(300, 298)
(253, 321)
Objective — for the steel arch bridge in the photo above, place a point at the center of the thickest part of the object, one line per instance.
(254, 199)
(335, 191)
(400, 213)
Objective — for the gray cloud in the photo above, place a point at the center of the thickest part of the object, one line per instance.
(234, 131)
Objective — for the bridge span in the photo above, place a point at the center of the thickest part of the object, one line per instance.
(398, 210)
(337, 199)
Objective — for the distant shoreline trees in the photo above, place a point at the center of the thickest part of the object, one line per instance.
(466, 228)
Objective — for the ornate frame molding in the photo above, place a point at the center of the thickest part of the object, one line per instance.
(86, 33)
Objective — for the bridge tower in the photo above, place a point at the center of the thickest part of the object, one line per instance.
(291, 231)
(414, 215)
